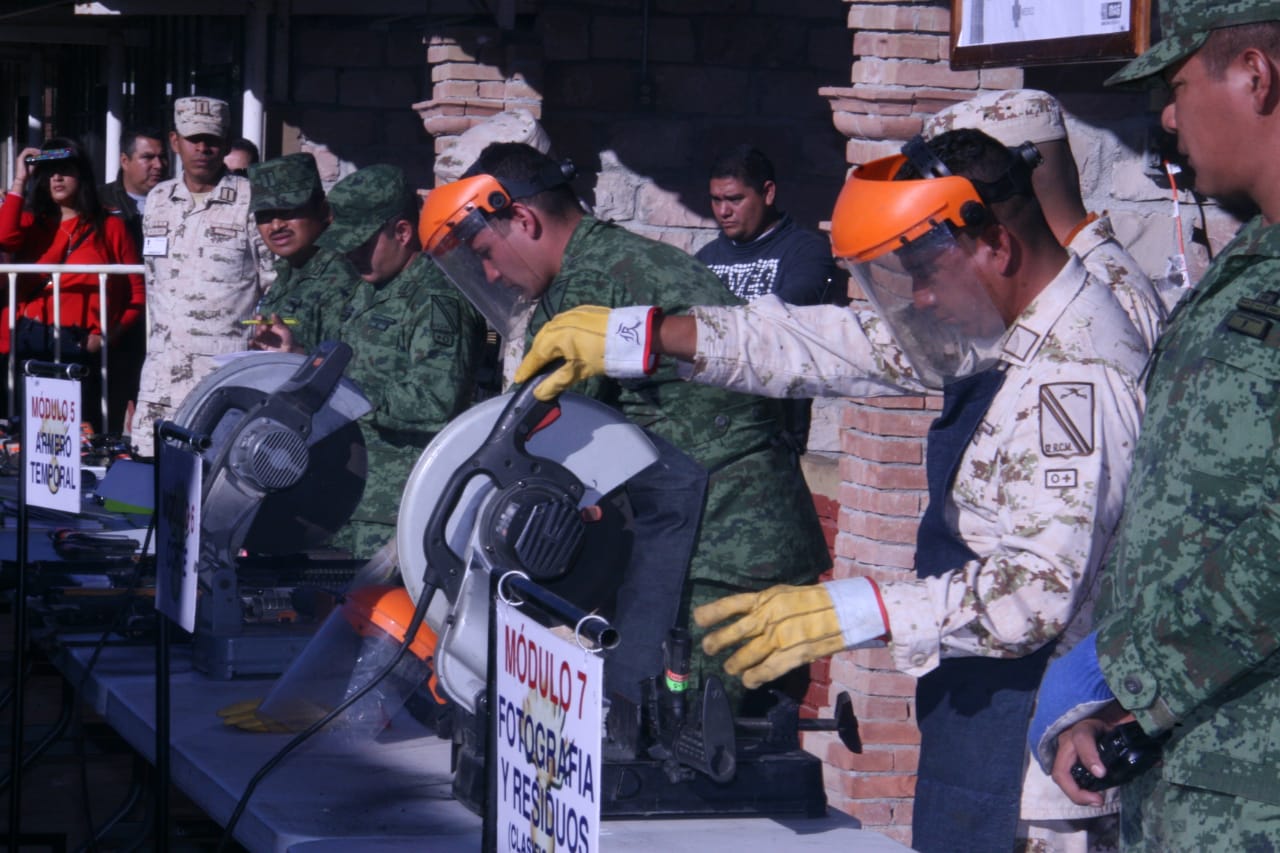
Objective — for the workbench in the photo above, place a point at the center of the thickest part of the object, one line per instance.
(391, 794)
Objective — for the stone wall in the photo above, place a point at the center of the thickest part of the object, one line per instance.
(350, 85)
(642, 102)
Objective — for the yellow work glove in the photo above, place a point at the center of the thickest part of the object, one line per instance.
(592, 340)
(246, 716)
(784, 627)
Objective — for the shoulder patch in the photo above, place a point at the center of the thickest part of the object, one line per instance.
(1258, 318)
(1066, 419)
(444, 326)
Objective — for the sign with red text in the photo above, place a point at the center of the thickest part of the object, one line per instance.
(177, 534)
(51, 442)
(547, 731)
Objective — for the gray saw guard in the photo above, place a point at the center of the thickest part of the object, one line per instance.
(590, 439)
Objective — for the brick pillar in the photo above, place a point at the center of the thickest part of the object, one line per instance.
(900, 75)
(475, 74)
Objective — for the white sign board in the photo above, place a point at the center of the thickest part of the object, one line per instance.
(51, 442)
(177, 534)
(1003, 21)
(548, 728)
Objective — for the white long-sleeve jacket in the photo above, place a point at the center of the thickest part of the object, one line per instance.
(1040, 487)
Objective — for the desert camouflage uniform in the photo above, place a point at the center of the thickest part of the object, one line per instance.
(314, 294)
(416, 341)
(1109, 262)
(1039, 490)
(215, 269)
(1037, 493)
(759, 526)
(1189, 638)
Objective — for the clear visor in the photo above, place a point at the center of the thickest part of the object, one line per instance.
(488, 270)
(929, 294)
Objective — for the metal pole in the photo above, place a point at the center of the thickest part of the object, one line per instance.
(19, 654)
(11, 316)
(102, 324)
(165, 431)
(588, 626)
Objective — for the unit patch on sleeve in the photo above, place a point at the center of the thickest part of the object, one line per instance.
(1066, 419)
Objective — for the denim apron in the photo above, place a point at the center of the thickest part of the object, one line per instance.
(973, 712)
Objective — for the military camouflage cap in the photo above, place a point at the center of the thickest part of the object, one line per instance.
(1185, 26)
(363, 202)
(198, 115)
(285, 183)
(1011, 117)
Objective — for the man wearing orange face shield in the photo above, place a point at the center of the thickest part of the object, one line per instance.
(514, 238)
(972, 295)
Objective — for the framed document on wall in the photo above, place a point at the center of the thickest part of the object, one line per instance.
(990, 33)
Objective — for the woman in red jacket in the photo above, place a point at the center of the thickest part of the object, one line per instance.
(62, 222)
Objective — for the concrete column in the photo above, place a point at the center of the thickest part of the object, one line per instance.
(35, 99)
(255, 76)
(115, 107)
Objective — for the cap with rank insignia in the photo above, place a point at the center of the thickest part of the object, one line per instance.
(199, 116)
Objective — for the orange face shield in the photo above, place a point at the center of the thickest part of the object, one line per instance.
(456, 229)
(875, 214)
(899, 240)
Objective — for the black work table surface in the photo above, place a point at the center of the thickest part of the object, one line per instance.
(389, 794)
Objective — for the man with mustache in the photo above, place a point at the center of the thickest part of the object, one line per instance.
(312, 284)
(143, 164)
(416, 342)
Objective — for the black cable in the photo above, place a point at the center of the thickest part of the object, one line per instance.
(83, 763)
(42, 745)
(99, 645)
(410, 634)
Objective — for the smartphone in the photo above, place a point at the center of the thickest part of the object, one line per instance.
(51, 154)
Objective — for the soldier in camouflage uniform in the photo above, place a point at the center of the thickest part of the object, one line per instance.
(313, 284)
(415, 341)
(759, 526)
(1015, 116)
(1027, 462)
(1186, 643)
(207, 267)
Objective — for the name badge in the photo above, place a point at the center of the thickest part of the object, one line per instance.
(155, 246)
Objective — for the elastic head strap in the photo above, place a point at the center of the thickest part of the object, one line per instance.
(1017, 177)
(549, 177)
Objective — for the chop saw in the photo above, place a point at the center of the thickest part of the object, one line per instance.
(542, 488)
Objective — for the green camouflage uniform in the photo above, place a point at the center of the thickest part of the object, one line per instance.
(1188, 611)
(314, 293)
(759, 526)
(416, 344)
(1192, 596)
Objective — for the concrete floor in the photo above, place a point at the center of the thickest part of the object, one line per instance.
(88, 783)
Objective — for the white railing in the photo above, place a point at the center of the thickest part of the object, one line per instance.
(56, 270)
